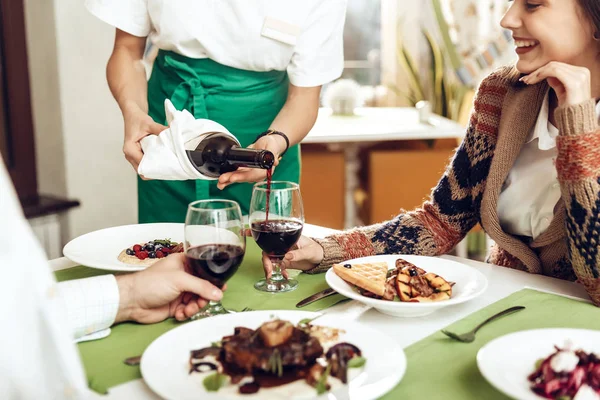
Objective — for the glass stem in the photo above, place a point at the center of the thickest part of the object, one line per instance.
(276, 276)
(214, 307)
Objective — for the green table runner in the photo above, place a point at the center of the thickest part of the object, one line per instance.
(442, 368)
(103, 359)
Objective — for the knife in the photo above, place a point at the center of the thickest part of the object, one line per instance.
(317, 296)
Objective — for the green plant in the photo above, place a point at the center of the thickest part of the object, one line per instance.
(441, 88)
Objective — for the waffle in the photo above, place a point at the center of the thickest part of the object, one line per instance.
(368, 276)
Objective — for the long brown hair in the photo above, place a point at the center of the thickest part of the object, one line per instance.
(591, 9)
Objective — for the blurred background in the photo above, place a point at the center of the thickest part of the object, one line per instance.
(386, 130)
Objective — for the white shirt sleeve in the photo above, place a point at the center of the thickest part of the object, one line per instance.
(91, 304)
(38, 359)
(319, 53)
(130, 16)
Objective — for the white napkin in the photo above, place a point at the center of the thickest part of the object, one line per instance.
(164, 154)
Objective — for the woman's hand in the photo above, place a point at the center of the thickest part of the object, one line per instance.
(571, 84)
(138, 125)
(166, 289)
(274, 143)
(306, 255)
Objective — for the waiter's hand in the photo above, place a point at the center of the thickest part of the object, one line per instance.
(138, 125)
(274, 143)
(166, 289)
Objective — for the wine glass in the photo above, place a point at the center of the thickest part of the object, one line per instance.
(215, 244)
(276, 221)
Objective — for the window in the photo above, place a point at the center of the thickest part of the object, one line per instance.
(362, 42)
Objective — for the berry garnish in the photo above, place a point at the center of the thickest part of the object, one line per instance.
(137, 248)
(165, 250)
(142, 255)
(130, 252)
(152, 254)
(159, 254)
(149, 247)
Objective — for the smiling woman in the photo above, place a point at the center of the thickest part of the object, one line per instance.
(528, 169)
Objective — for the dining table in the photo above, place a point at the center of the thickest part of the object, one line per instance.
(550, 302)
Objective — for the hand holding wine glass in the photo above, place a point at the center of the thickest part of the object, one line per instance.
(305, 255)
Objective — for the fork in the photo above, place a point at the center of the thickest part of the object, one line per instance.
(469, 337)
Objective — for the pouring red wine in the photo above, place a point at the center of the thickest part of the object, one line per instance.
(276, 221)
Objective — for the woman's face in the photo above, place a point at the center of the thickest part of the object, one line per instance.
(550, 30)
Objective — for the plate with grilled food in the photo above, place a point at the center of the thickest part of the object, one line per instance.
(273, 355)
(406, 285)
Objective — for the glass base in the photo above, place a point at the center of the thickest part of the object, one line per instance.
(276, 285)
(213, 308)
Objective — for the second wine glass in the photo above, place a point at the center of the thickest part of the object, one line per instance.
(214, 244)
(276, 221)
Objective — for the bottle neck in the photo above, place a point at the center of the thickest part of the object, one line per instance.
(219, 153)
(250, 158)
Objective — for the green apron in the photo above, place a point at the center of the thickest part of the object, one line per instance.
(244, 102)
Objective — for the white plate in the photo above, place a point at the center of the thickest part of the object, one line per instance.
(507, 361)
(469, 283)
(165, 364)
(100, 249)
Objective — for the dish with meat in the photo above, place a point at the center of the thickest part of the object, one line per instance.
(273, 355)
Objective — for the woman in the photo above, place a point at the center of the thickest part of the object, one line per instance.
(528, 169)
(252, 66)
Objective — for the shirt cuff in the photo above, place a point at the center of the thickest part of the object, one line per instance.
(300, 80)
(91, 304)
(577, 119)
(333, 253)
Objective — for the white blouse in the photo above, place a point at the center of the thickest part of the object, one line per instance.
(303, 37)
(531, 190)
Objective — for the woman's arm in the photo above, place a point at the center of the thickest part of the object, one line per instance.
(442, 221)
(295, 120)
(578, 166)
(126, 77)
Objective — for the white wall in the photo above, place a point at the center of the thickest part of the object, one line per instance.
(400, 17)
(79, 128)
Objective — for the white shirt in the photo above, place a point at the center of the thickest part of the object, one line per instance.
(304, 37)
(531, 190)
(39, 318)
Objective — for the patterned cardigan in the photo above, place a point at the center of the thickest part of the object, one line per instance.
(504, 113)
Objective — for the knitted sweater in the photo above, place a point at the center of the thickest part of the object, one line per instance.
(504, 113)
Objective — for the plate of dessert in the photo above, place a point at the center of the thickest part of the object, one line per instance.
(126, 248)
(555, 363)
(273, 355)
(406, 285)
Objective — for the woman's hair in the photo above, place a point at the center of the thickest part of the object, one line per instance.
(591, 9)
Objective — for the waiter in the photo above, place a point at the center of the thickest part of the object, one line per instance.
(254, 66)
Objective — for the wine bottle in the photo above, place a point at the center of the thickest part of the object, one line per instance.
(220, 152)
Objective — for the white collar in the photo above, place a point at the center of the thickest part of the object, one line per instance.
(543, 130)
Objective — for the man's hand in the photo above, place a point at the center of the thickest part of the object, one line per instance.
(166, 289)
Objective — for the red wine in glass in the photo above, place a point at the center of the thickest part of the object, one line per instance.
(276, 219)
(276, 237)
(215, 263)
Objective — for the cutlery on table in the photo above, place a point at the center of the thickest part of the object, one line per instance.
(468, 337)
(314, 297)
(133, 361)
